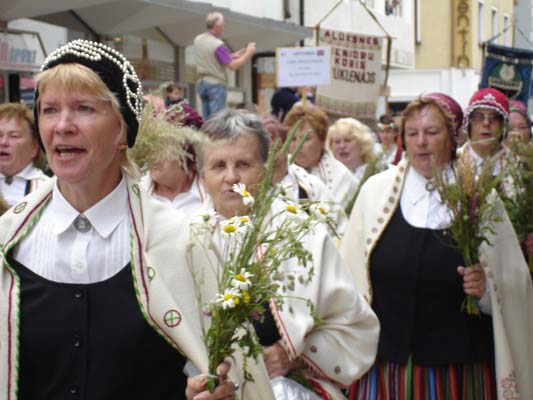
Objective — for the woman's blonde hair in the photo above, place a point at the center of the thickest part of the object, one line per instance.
(77, 78)
(359, 131)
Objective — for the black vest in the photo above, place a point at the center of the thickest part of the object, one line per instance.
(91, 342)
(417, 296)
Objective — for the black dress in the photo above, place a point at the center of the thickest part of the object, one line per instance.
(91, 341)
(428, 348)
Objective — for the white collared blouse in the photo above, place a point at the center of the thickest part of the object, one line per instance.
(15, 191)
(57, 251)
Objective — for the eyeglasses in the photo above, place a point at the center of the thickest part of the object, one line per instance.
(480, 117)
(383, 127)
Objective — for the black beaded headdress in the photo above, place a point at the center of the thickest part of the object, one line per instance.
(114, 70)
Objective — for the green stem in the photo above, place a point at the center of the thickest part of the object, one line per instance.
(470, 304)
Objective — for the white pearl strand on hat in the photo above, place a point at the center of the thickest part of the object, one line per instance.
(94, 51)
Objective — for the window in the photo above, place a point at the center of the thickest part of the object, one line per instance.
(418, 21)
(494, 22)
(393, 7)
(480, 22)
(507, 35)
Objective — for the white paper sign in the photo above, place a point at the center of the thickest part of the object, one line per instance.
(303, 66)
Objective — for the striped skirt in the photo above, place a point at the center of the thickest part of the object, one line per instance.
(390, 381)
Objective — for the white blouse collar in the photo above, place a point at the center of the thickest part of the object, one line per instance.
(104, 216)
(29, 172)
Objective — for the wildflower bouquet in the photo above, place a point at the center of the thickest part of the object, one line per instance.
(469, 199)
(162, 139)
(249, 266)
(518, 198)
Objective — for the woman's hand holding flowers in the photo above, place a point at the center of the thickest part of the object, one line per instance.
(197, 386)
(474, 280)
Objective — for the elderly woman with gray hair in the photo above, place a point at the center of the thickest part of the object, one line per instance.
(342, 349)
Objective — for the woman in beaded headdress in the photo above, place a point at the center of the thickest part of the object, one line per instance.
(411, 273)
(95, 301)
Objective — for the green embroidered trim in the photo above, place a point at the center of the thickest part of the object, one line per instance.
(139, 298)
(5, 250)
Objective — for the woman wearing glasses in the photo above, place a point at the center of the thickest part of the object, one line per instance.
(388, 133)
(485, 121)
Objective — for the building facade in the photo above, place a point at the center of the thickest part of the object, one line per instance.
(449, 37)
(156, 36)
(523, 33)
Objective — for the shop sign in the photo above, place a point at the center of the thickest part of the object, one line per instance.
(462, 33)
(20, 51)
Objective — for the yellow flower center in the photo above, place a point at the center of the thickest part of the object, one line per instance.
(244, 193)
(246, 297)
(229, 296)
(230, 228)
(292, 208)
(240, 278)
(236, 300)
(244, 220)
(322, 210)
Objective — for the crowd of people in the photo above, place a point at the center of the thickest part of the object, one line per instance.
(97, 296)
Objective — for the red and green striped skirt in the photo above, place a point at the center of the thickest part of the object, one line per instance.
(391, 381)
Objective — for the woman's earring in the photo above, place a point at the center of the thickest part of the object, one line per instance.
(122, 146)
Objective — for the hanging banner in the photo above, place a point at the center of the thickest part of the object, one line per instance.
(356, 74)
(509, 70)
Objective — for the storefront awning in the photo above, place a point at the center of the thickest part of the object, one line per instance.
(179, 20)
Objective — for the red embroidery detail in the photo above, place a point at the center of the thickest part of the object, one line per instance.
(509, 387)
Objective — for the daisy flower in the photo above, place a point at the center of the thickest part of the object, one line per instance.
(294, 212)
(320, 210)
(229, 227)
(242, 280)
(247, 198)
(229, 299)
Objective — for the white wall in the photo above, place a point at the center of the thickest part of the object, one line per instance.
(523, 13)
(458, 83)
(264, 8)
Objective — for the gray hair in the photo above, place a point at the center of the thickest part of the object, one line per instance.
(228, 125)
(213, 19)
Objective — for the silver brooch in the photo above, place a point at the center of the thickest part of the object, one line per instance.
(82, 224)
